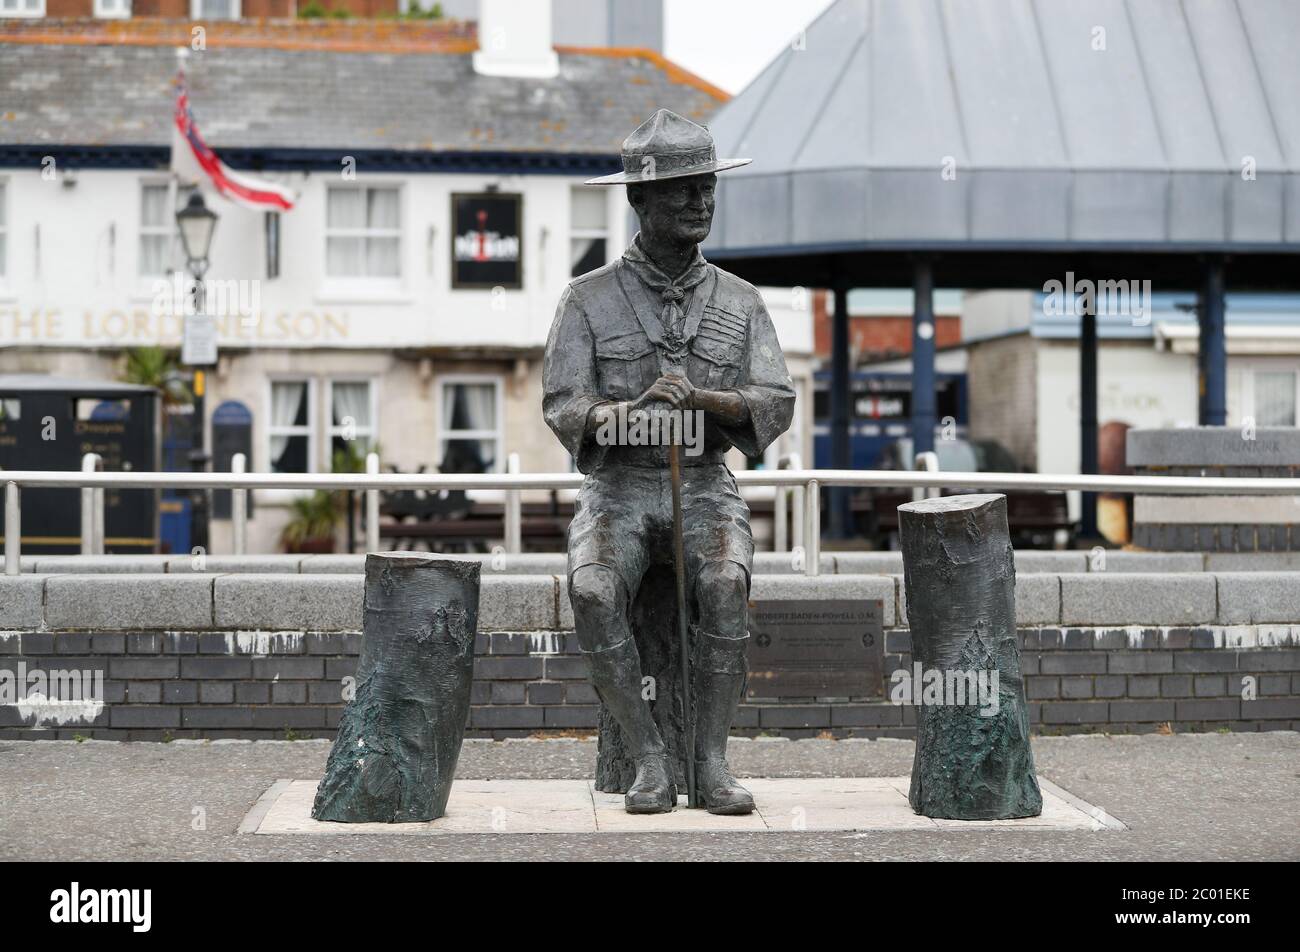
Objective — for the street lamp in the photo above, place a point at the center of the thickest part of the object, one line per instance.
(196, 223)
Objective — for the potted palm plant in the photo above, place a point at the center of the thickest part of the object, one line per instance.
(310, 529)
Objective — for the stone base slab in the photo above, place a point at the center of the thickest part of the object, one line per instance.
(574, 806)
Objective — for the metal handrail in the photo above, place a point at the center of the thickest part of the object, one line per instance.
(807, 481)
(1033, 482)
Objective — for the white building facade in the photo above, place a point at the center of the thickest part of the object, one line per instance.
(341, 324)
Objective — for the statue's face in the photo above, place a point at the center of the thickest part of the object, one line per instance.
(677, 211)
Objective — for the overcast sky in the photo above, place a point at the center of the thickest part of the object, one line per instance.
(728, 42)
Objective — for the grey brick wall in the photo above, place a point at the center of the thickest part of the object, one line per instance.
(162, 685)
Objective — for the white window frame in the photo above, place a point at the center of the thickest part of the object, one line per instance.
(1248, 372)
(168, 230)
(22, 12)
(121, 9)
(197, 5)
(498, 434)
(270, 430)
(345, 287)
(333, 429)
(606, 233)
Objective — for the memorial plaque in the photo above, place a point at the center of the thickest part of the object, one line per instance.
(816, 648)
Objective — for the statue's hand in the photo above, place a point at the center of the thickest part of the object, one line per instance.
(726, 405)
(672, 389)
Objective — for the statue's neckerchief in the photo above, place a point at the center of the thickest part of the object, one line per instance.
(671, 291)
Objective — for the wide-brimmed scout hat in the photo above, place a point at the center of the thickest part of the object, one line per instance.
(667, 146)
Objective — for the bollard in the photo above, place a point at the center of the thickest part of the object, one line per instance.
(973, 760)
(395, 754)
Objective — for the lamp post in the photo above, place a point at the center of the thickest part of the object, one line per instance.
(196, 223)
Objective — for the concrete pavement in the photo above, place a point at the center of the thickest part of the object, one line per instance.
(1182, 797)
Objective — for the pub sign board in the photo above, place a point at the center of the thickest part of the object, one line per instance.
(816, 648)
(48, 423)
(487, 246)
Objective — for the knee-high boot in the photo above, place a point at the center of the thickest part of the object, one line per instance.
(616, 676)
(720, 681)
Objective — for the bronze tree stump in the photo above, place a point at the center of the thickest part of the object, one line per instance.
(395, 754)
(960, 578)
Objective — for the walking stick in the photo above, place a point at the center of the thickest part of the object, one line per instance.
(683, 633)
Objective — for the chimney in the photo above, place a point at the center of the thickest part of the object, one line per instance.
(514, 39)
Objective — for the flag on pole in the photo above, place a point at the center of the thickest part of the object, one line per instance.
(194, 161)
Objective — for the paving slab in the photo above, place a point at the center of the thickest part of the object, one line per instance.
(475, 806)
(785, 804)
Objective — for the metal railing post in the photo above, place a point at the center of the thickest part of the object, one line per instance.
(239, 507)
(88, 464)
(812, 547)
(372, 505)
(927, 462)
(97, 511)
(785, 519)
(797, 496)
(13, 529)
(780, 520)
(514, 526)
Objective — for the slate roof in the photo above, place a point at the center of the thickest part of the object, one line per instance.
(103, 91)
(1053, 141)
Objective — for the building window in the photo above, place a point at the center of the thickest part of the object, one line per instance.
(1275, 397)
(22, 8)
(113, 9)
(352, 421)
(290, 428)
(160, 250)
(363, 233)
(469, 439)
(589, 230)
(214, 9)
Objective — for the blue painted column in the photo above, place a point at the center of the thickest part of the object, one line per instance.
(1212, 354)
(1088, 450)
(923, 335)
(841, 515)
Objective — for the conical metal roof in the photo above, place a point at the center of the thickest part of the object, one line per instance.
(1136, 124)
